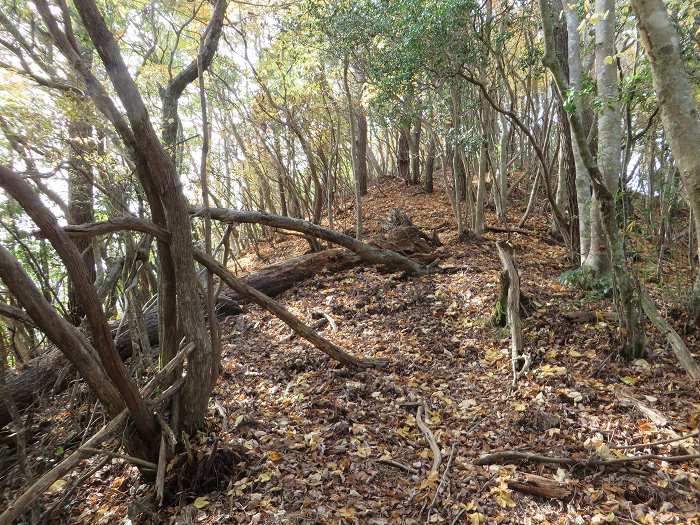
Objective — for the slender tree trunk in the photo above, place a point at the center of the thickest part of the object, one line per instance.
(429, 167)
(414, 147)
(403, 156)
(500, 184)
(478, 226)
(362, 150)
(358, 158)
(456, 109)
(583, 185)
(609, 129)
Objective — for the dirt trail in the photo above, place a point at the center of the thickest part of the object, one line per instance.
(329, 446)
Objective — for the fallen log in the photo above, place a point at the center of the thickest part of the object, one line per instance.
(42, 373)
(540, 486)
(373, 254)
(48, 371)
(510, 457)
(589, 316)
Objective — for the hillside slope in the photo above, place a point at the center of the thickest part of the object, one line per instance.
(347, 448)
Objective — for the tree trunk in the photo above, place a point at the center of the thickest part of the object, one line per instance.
(583, 185)
(162, 178)
(479, 220)
(679, 108)
(414, 147)
(628, 300)
(458, 166)
(429, 167)
(500, 184)
(609, 129)
(362, 151)
(80, 203)
(403, 156)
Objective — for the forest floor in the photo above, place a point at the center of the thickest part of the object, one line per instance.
(317, 443)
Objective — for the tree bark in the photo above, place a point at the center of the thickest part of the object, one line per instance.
(679, 108)
(609, 129)
(163, 178)
(114, 368)
(403, 157)
(414, 149)
(628, 301)
(80, 203)
(429, 167)
(583, 185)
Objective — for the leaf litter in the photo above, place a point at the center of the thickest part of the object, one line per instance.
(316, 443)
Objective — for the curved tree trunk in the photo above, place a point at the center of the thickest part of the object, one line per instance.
(679, 108)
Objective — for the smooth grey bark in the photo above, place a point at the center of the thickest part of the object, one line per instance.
(628, 297)
(358, 158)
(583, 185)
(500, 184)
(679, 108)
(609, 128)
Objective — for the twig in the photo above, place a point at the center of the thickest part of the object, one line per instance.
(437, 455)
(129, 459)
(46, 516)
(457, 516)
(443, 480)
(661, 442)
(512, 456)
(69, 463)
(167, 431)
(160, 474)
(496, 229)
(396, 464)
(330, 320)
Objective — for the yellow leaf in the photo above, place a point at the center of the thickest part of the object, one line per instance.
(201, 502)
(347, 513)
(503, 495)
(364, 452)
(608, 60)
(476, 518)
(265, 476)
(57, 485)
(629, 380)
(430, 481)
(520, 406)
(273, 455)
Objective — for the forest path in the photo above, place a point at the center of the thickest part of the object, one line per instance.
(317, 434)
